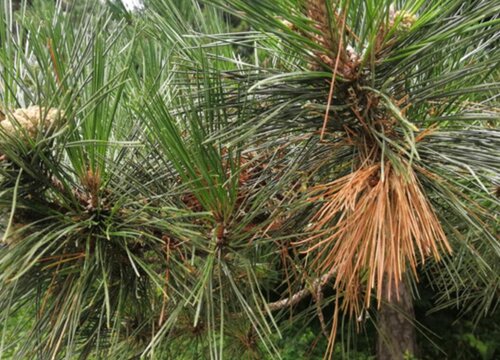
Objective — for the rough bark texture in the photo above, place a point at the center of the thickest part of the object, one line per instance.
(397, 336)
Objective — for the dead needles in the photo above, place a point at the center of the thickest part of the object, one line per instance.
(373, 223)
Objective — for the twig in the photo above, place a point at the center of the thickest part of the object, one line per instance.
(317, 285)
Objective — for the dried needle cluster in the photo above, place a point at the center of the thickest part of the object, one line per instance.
(376, 222)
(381, 225)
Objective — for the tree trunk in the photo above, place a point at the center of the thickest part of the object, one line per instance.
(397, 336)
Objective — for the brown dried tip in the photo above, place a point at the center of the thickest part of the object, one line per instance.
(372, 226)
(92, 181)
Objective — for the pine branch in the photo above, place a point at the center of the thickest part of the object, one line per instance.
(300, 295)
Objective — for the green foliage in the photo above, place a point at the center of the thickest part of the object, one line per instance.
(163, 212)
(456, 335)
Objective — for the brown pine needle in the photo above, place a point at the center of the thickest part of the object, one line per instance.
(54, 61)
(340, 51)
(330, 96)
(369, 228)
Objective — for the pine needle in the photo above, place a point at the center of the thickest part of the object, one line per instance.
(371, 227)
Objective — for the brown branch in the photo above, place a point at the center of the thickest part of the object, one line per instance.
(300, 295)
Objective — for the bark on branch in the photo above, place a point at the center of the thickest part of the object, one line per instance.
(316, 286)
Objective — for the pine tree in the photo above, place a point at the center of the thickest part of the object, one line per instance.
(175, 189)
